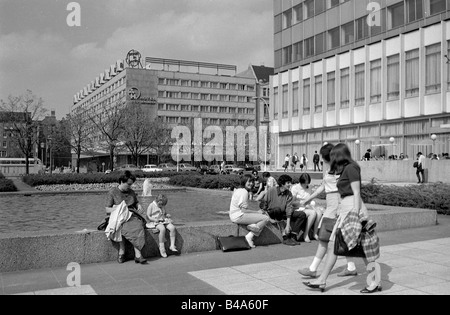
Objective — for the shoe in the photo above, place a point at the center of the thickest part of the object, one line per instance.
(290, 242)
(163, 253)
(250, 241)
(253, 228)
(173, 249)
(140, 260)
(321, 286)
(307, 273)
(347, 273)
(121, 259)
(376, 289)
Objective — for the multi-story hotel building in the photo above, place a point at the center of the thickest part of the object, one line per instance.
(373, 74)
(176, 91)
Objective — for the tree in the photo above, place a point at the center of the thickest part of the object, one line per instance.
(161, 140)
(76, 131)
(24, 112)
(110, 123)
(139, 132)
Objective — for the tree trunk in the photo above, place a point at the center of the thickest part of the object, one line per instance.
(27, 165)
(78, 160)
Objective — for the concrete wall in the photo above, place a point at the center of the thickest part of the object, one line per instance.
(403, 171)
(58, 249)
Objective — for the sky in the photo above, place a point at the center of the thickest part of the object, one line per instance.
(40, 52)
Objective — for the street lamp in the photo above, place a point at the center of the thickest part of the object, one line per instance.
(50, 153)
(434, 137)
(392, 140)
(357, 142)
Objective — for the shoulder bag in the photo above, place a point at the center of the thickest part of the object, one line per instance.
(232, 243)
(341, 248)
(326, 228)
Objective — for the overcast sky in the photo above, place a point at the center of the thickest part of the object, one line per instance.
(40, 52)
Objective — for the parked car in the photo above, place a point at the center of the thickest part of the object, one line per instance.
(214, 170)
(203, 169)
(132, 168)
(234, 169)
(252, 167)
(150, 168)
(186, 167)
(168, 167)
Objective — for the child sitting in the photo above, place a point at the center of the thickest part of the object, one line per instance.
(160, 220)
(300, 192)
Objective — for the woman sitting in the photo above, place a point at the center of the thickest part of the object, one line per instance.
(133, 229)
(301, 192)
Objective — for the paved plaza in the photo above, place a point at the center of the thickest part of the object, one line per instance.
(413, 262)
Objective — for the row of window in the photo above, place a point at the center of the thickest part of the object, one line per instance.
(207, 109)
(102, 104)
(206, 84)
(208, 121)
(303, 11)
(205, 96)
(395, 16)
(104, 92)
(433, 67)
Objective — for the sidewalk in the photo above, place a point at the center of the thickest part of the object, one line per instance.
(415, 261)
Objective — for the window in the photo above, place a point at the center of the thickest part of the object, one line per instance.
(214, 97)
(393, 77)
(184, 82)
(285, 100)
(223, 85)
(362, 28)
(287, 55)
(396, 15)
(298, 51)
(360, 85)
(171, 94)
(185, 120)
(298, 13)
(320, 43)
(195, 83)
(348, 33)
(275, 102)
(318, 94)
(161, 106)
(309, 9)
(375, 81)
(378, 29)
(3, 154)
(204, 109)
(414, 10)
(433, 69)
(185, 95)
(160, 94)
(334, 38)
(5, 144)
(205, 84)
(320, 6)
(412, 73)
(172, 82)
(172, 120)
(185, 108)
(309, 47)
(345, 88)
(195, 108)
(160, 81)
(278, 23)
(224, 97)
(306, 97)
(296, 104)
(195, 96)
(223, 109)
(233, 86)
(333, 3)
(331, 91)
(204, 97)
(287, 18)
(214, 85)
(172, 107)
(437, 6)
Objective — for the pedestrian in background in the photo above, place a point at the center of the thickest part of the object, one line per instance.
(316, 160)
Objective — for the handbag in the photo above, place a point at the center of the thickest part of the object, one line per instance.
(326, 229)
(416, 164)
(341, 248)
(103, 225)
(232, 243)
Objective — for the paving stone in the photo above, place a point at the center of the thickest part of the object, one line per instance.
(442, 288)
(83, 290)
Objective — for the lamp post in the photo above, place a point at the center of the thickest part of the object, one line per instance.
(392, 140)
(50, 153)
(434, 137)
(266, 120)
(358, 156)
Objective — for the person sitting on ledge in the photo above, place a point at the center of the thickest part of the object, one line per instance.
(133, 229)
(278, 203)
(239, 214)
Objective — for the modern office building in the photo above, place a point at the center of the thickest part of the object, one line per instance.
(373, 74)
(176, 91)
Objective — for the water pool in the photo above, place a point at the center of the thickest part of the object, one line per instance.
(75, 212)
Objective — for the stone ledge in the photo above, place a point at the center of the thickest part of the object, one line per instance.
(49, 250)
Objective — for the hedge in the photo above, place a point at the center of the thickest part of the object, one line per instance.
(7, 185)
(206, 181)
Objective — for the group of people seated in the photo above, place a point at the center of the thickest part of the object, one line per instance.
(279, 200)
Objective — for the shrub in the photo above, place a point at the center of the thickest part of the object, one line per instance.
(206, 181)
(7, 185)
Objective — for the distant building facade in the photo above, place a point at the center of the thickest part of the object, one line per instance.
(361, 72)
(176, 91)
